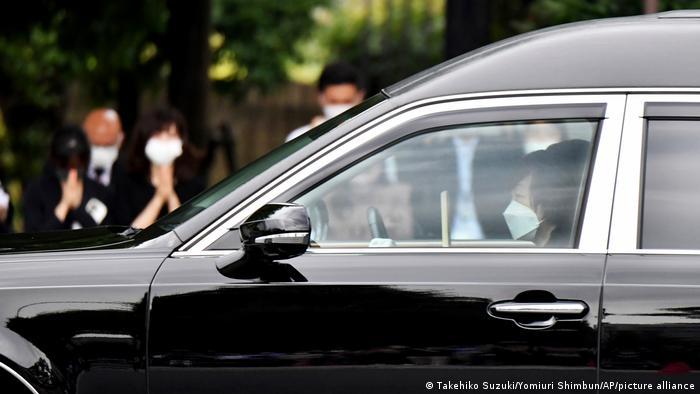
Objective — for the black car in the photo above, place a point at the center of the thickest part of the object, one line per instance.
(522, 217)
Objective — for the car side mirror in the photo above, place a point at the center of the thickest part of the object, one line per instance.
(277, 231)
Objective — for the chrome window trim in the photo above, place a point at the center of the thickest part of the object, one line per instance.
(594, 234)
(624, 227)
(658, 252)
(449, 250)
(18, 377)
(216, 253)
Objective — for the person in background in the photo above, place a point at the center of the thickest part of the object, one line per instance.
(161, 169)
(104, 132)
(63, 197)
(340, 88)
(6, 209)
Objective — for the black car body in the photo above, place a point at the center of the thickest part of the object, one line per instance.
(117, 310)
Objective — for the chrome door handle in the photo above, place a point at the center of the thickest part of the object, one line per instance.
(553, 308)
(538, 315)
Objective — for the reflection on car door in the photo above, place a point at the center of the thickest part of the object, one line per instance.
(650, 331)
(396, 319)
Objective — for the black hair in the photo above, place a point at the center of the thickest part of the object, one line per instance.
(557, 173)
(149, 124)
(69, 147)
(340, 73)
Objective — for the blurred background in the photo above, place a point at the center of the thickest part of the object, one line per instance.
(243, 73)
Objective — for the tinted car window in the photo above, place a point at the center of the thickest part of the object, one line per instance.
(513, 184)
(670, 212)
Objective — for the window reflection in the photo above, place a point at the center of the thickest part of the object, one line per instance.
(393, 198)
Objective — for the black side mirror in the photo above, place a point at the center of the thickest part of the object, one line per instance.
(276, 231)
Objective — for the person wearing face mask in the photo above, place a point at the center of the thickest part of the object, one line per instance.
(63, 197)
(104, 132)
(545, 197)
(340, 88)
(161, 169)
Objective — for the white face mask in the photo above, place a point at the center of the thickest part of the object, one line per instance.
(4, 198)
(333, 110)
(103, 156)
(521, 220)
(162, 151)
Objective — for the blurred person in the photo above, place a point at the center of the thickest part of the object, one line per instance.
(340, 88)
(161, 169)
(104, 132)
(6, 210)
(63, 197)
(474, 166)
(546, 194)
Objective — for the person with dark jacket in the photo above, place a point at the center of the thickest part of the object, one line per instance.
(63, 197)
(161, 170)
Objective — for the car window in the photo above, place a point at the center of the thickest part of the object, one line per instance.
(509, 184)
(204, 200)
(671, 191)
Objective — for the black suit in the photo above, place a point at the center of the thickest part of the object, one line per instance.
(43, 195)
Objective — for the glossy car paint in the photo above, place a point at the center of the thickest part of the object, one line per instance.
(72, 321)
(649, 330)
(632, 52)
(650, 324)
(368, 323)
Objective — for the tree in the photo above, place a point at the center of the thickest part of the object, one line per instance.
(387, 39)
(256, 40)
(468, 26)
(553, 12)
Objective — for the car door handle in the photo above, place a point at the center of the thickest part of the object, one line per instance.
(554, 308)
(538, 315)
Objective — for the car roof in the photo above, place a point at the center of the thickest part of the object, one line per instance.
(659, 50)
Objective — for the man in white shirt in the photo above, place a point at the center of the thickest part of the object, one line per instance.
(104, 132)
(340, 88)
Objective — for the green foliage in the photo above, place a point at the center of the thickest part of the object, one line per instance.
(387, 39)
(258, 41)
(554, 12)
(46, 45)
(108, 39)
(32, 73)
(33, 67)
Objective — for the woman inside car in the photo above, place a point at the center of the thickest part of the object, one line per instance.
(547, 193)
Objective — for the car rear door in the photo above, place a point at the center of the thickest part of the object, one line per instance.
(650, 327)
(399, 292)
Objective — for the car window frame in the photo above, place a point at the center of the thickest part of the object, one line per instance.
(597, 206)
(625, 227)
(435, 123)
